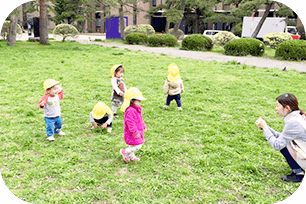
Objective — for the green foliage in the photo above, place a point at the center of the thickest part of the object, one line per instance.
(273, 39)
(134, 29)
(197, 42)
(179, 35)
(136, 38)
(244, 46)
(222, 38)
(160, 40)
(5, 30)
(149, 29)
(238, 29)
(291, 50)
(65, 30)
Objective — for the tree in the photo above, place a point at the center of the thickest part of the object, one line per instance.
(43, 23)
(11, 39)
(262, 20)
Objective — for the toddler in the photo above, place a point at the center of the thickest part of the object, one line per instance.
(134, 126)
(118, 87)
(173, 86)
(50, 102)
(101, 115)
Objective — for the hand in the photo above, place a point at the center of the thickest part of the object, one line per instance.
(138, 135)
(261, 123)
(104, 125)
(95, 124)
(121, 94)
(42, 104)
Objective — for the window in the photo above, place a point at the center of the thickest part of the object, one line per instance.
(154, 3)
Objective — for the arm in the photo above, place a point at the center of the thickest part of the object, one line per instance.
(166, 87)
(182, 87)
(91, 119)
(61, 92)
(43, 101)
(131, 123)
(110, 119)
(115, 86)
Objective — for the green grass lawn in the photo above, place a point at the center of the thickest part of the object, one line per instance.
(211, 152)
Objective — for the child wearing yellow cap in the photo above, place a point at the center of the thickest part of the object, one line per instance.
(134, 126)
(50, 102)
(101, 115)
(118, 87)
(173, 86)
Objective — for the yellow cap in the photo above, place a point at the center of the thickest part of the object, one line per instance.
(113, 69)
(50, 83)
(131, 93)
(174, 74)
(100, 109)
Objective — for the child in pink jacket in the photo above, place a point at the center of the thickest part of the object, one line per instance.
(134, 126)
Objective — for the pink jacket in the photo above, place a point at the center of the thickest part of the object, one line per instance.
(133, 125)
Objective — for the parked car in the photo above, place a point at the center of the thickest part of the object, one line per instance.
(211, 33)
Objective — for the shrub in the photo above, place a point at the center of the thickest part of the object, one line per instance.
(222, 38)
(136, 38)
(244, 46)
(273, 39)
(158, 40)
(6, 29)
(238, 29)
(149, 29)
(197, 42)
(179, 35)
(65, 30)
(292, 49)
(134, 29)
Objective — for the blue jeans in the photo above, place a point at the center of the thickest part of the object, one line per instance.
(53, 125)
(177, 98)
(291, 162)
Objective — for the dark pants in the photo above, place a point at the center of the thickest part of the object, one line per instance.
(177, 98)
(291, 162)
(103, 120)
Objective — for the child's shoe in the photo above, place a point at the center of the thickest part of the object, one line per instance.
(179, 108)
(51, 138)
(124, 155)
(136, 159)
(109, 130)
(166, 107)
(61, 133)
(116, 115)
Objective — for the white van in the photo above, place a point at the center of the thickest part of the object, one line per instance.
(211, 33)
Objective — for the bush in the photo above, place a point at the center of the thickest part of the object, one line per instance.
(244, 46)
(273, 39)
(6, 29)
(179, 35)
(136, 38)
(65, 30)
(293, 50)
(159, 40)
(134, 29)
(149, 29)
(197, 42)
(222, 38)
(238, 29)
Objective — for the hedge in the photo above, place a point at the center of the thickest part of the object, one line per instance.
(197, 42)
(244, 46)
(222, 38)
(159, 40)
(292, 50)
(273, 39)
(136, 38)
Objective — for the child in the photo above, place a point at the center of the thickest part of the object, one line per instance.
(134, 126)
(118, 87)
(173, 86)
(50, 102)
(101, 115)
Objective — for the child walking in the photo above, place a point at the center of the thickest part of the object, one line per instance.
(50, 102)
(101, 115)
(134, 126)
(173, 86)
(118, 87)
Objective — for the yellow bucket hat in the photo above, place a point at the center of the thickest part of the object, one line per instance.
(174, 74)
(100, 109)
(49, 83)
(113, 69)
(131, 93)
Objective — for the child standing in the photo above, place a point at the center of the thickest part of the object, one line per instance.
(50, 102)
(173, 86)
(118, 87)
(134, 126)
(101, 115)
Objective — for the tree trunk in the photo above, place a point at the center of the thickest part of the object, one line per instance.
(262, 20)
(177, 25)
(197, 21)
(11, 38)
(121, 21)
(24, 17)
(43, 23)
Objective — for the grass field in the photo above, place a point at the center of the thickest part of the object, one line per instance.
(211, 152)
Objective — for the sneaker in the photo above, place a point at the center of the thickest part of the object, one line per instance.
(51, 138)
(61, 133)
(136, 159)
(293, 178)
(124, 155)
(115, 115)
(179, 108)
(109, 130)
(166, 107)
